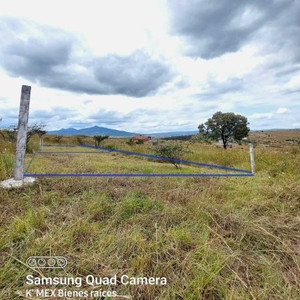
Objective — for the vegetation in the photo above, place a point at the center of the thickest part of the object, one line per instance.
(35, 129)
(99, 138)
(9, 135)
(174, 152)
(130, 142)
(212, 238)
(140, 142)
(58, 138)
(80, 139)
(225, 126)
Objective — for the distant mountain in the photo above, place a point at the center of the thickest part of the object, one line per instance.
(96, 130)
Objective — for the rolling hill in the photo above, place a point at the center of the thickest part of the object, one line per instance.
(96, 130)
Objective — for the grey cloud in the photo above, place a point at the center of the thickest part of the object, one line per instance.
(35, 56)
(208, 28)
(293, 91)
(9, 113)
(9, 117)
(59, 113)
(274, 121)
(108, 117)
(48, 58)
(138, 116)
(134, 75)
(217, 89)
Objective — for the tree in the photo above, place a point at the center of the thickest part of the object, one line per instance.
(99, 138)
(225, 126)
(37, 129)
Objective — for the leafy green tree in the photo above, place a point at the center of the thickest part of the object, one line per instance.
(99, 138)
(225, 126)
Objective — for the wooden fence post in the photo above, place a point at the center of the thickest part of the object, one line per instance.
(22, 132)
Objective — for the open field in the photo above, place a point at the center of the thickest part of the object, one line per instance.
(211, 238)
(76, 160)
(280, 138)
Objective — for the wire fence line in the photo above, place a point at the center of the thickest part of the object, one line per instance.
(239, 172)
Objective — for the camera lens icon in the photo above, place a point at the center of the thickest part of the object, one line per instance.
(47, 262)
(51, 262)
(31, 262)
(41, 262)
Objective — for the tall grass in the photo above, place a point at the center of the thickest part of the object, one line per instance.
(212, 238)
(7, 162)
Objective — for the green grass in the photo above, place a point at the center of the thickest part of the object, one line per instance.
(212, 238)
(7, 161)
(57, 161)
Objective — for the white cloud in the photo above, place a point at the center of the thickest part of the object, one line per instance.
(261, 116)
(242, 67)
(281, 110)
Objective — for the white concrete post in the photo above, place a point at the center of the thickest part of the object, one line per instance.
(41, 143)
(22, 132)
(252, 158)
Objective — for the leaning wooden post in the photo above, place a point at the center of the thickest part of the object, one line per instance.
(252, 158)
(22, 132)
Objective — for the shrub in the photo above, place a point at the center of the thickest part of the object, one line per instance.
(172, 151)
(58, 138)
(80, 139)
(140, 142)
(130, 142)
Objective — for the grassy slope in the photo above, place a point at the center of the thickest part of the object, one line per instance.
(213, 238)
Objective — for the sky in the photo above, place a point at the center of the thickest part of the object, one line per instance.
(151, 66)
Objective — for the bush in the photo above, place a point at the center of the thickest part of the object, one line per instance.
(130, 142)
(140, 142)
(80, 139)
(172, 151)
(58, 138)
(201, 138)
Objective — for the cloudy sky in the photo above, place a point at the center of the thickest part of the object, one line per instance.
(151, 65)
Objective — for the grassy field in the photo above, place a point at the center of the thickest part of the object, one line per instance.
(211, 238)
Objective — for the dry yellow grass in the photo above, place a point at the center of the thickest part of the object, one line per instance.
(212, 238)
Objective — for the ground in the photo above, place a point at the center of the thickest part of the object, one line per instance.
(211, 238)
